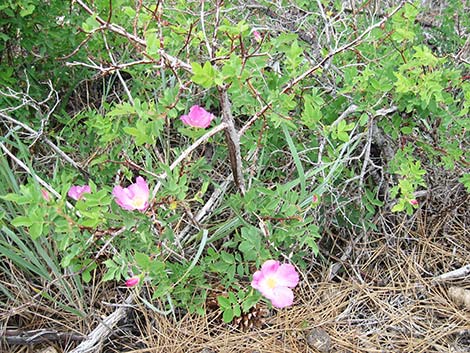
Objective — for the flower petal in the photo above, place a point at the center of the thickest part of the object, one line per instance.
(185, 119)
(264, 285)
(134, 197)
(287, 276)
(282, 297)
(76, 191)
(133, 281)
(122, 198)
(270, 267)
(197, 117)
(257, 278)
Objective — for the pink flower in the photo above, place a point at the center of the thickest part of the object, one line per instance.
(257, 36)
(134, 197)
(414, 202)
(132, 282)
(76, 192)
(45, 195)
(197, 117)
(275, 281)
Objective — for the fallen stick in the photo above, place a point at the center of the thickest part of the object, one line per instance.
(96, 337)
(19, 337)
(459, 273)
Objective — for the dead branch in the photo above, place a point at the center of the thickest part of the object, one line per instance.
(232, 138)
(459, 273)
(171, 60)
(104, 329)
(19, 337)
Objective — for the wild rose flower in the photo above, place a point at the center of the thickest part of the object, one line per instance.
(275, 281)
(257, 36)
(197, 117)
(134, 197)
(76, 192)
(132, 282)
(45, 195)
(414, 202)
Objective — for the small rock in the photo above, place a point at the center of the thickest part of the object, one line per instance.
(318, 338)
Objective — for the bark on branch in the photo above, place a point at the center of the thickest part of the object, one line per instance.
(232, 138)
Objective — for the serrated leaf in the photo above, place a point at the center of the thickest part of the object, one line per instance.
(110, 274)
(343, 136)
(400, 206)
(226, 257)
(86, 276)
(237, 310)
(249, 302)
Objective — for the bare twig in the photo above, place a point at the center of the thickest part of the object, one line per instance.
(209, 205)
(171, 60)
(208, 45)
(105, 70)
(53, 146)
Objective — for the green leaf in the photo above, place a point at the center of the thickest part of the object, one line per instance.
(343, 136)
(293, 55)
(142, 260)
(153, 42)
(249, 302)
(224, 302)
(237, 310)
(206, 76)
(21, 221)
(245, 246)
(228, 315)
(110, 274)
(27, 9)
(35, 230)
(161, 291)
(86, 276)
(400, 206)
(226, 257)
(465, 180)
(90, 24)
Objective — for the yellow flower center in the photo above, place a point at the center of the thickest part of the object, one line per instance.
(271, 282)
(138, 202)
